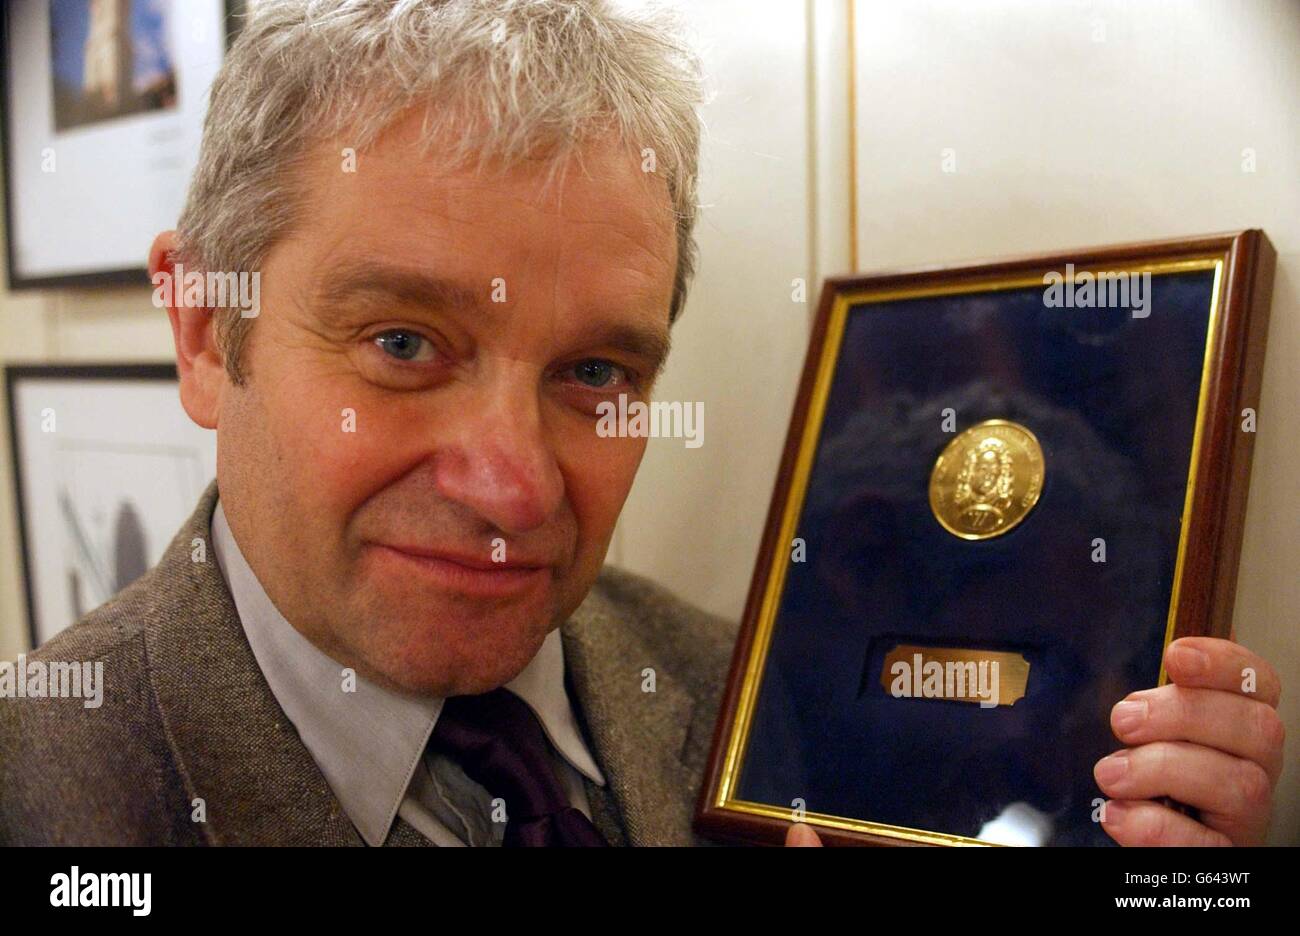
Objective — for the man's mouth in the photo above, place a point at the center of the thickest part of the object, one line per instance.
(464, 573)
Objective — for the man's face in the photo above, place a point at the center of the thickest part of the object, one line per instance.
(989, 469)
(400, 431)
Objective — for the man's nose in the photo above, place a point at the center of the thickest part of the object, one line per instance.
(501, 464)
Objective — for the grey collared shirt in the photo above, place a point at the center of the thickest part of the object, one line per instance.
(371, 743)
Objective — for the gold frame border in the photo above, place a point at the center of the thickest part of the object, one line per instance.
(971, 282)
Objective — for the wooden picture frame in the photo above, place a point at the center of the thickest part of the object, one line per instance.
(1208, 538)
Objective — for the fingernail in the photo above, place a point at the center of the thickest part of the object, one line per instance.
(1129, 715)
(801, 835)
(1112, 768)
(1191, 661)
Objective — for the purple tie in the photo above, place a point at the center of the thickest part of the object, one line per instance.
(499, 744)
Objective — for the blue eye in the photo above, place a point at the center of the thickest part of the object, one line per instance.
(594, 373)
(600, 374)
(401, 344)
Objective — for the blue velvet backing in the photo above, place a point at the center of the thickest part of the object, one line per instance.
(1112, 399)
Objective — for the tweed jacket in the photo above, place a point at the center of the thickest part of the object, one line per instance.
(190, 747)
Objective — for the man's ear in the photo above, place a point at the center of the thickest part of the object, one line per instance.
(198, 361)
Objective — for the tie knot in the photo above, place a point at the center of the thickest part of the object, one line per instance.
(499, 743)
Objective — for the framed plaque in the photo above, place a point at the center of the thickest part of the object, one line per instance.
(1006, 487)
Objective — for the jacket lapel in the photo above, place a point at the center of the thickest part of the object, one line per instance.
(637, 736)
(238, 752)
(232, 743)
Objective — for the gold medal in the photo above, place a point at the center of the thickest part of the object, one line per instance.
(987, 479)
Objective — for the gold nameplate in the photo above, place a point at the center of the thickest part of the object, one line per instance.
(988, 677)
(987, 479)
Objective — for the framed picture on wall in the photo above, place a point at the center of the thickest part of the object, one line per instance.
(1005, 489)
(103, 115)
(107, 466)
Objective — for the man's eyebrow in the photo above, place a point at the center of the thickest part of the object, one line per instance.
(346, 281)
(649, 344)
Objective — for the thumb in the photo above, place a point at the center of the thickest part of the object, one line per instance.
(802, 835)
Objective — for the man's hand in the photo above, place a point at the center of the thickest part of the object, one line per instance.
(1211, 739)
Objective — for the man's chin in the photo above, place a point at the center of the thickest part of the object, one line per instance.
(459, 657)
(438, 682)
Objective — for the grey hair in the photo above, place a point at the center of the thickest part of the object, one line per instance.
(501, 81)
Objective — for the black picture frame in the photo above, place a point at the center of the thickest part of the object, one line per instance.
(16, 280)
(21, 373)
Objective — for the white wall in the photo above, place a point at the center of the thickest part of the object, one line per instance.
(1080, 123)
(1060, 140)
(774, 188)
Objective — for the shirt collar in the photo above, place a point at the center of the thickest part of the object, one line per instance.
(368, 742)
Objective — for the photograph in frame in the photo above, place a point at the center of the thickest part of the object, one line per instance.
(107, 465)
(103, 115)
